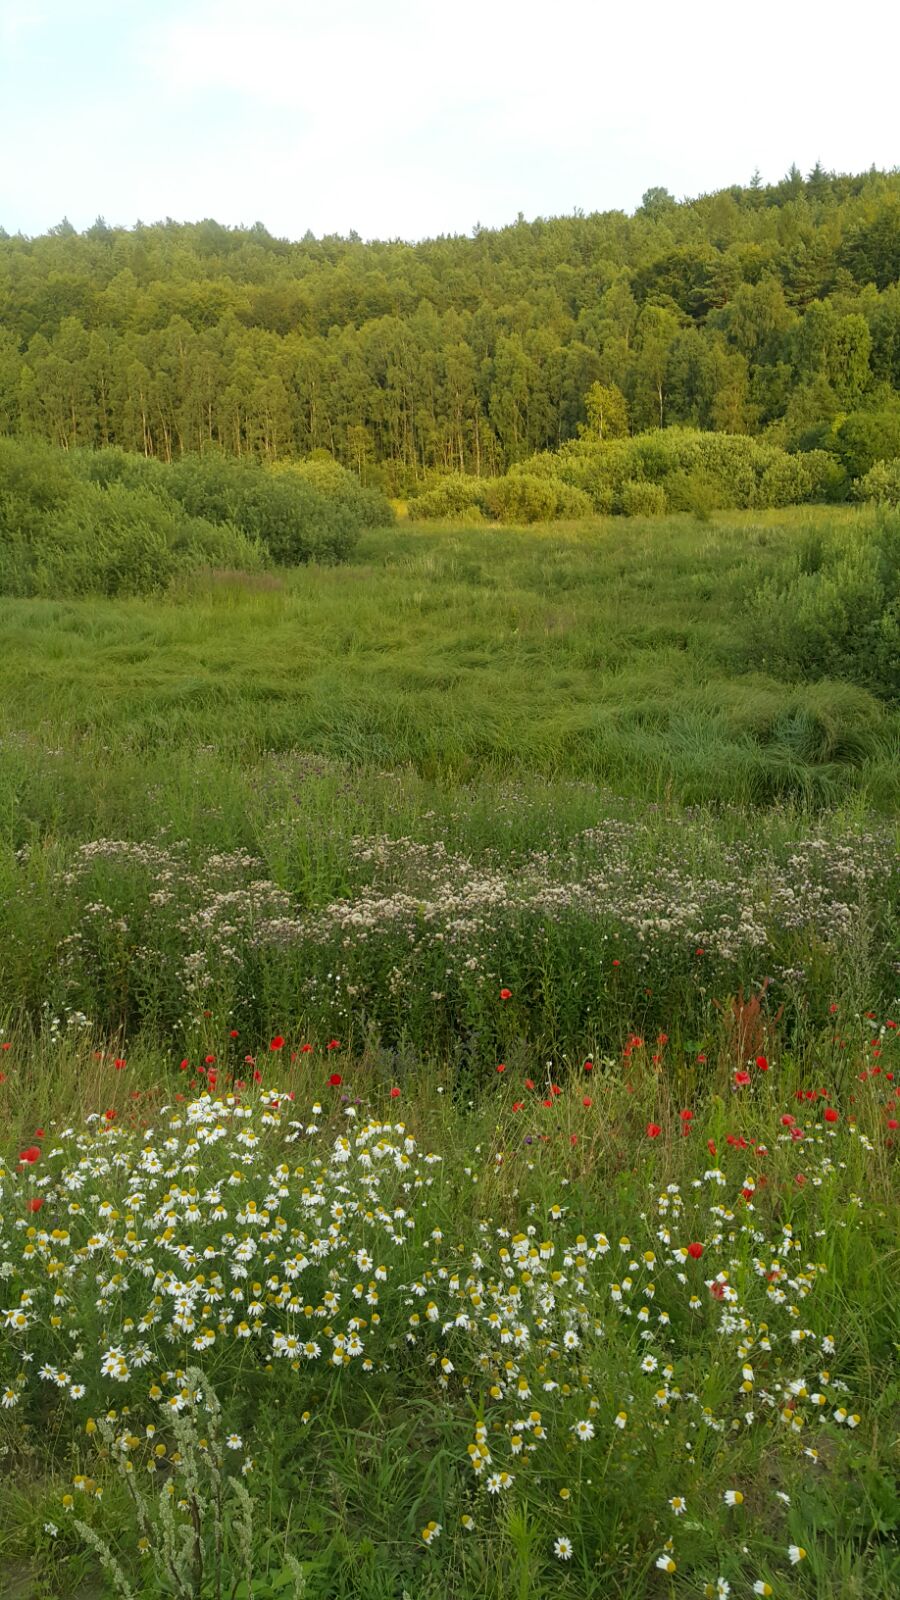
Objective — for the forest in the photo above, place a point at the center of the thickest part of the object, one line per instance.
(764, 310)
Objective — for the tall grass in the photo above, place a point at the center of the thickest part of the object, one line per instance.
(624, 658)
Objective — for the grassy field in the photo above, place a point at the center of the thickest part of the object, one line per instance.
(448, 1090)
(631, 654)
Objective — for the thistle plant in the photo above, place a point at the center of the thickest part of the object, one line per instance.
(198, 1528)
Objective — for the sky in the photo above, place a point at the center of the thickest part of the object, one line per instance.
(407, 119)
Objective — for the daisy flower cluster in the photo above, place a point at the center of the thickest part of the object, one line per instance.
(233, 1230)
(576, 1338)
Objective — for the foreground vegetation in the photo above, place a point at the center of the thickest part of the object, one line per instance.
(616, 1328)
(448, 1086)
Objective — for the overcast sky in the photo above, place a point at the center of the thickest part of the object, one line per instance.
(404, 118)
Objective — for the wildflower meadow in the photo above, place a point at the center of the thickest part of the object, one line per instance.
(447, 1151)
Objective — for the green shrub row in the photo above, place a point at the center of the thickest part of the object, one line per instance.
(677, 469)
(107, 522)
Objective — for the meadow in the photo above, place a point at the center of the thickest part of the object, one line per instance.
(448, 1101)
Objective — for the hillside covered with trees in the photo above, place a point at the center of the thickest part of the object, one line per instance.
(771, 311)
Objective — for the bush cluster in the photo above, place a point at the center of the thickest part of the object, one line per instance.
(881, 484)
(107, 522)
(676, 469)
(834, 609)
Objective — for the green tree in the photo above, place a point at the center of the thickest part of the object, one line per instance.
(607, 412)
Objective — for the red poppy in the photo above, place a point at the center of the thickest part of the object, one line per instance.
(653, 1130)
(305, 1049)
(763, 1063)
(233, 1034)
(257, 1076)
(717, 1290)
(110, 1115)
(6, 1045)
(29, 1156)
(588, 1066)
(39, 1133)
(333, 1044)
(335, 1080)
(742, 1078)
(395, 1094)
(518, 1105)
(506, 994)
(587, 1102)
(209, 1060)
(36, 1203)
(501, 1066)
(711, 1146)
(277, 1043)
(686, 1116)
(695, 1251)
(119, 1063)
(529, 1083)
(892, 1122)
(830, 1114)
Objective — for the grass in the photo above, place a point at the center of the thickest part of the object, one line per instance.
(521, 826)
(614, 654)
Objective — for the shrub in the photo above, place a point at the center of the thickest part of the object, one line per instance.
(786, 481)
(456, 496)
(572, 503)
(522, 497)
(292, 520)
(643, 499)
(881, 484)
(695, 491)
(87, 525)
(837, 615)
(35, 482)
(828, 478)
(862, 438)
(368, 507)
(299, 511)
(698, 471)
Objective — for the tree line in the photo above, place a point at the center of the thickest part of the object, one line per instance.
(768, 310)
